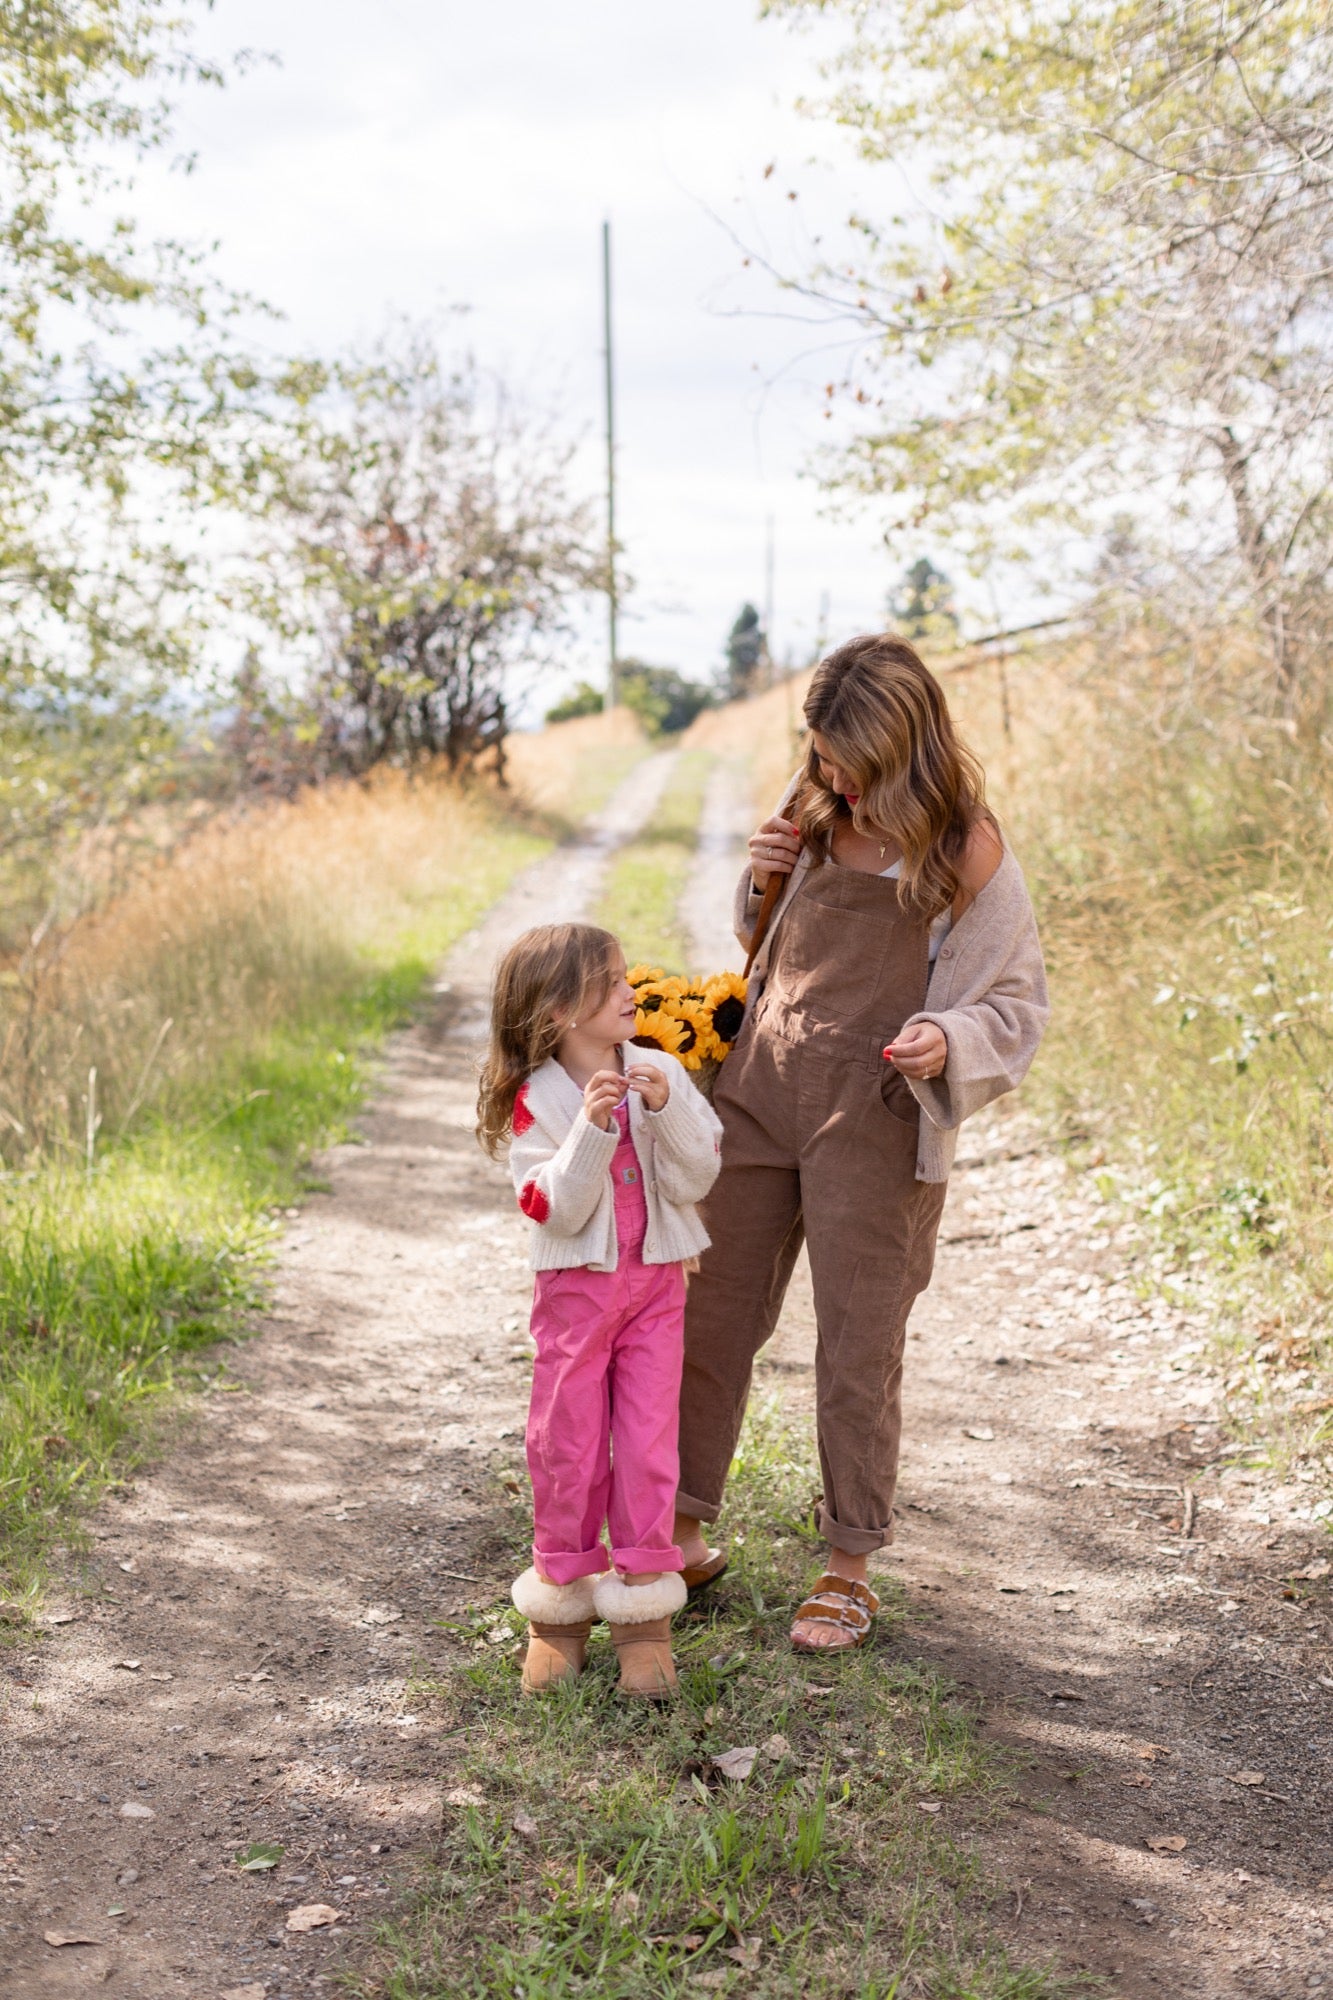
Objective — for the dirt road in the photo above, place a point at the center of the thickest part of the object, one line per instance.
(241, 1640)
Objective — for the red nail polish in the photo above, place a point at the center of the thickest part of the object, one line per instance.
(887, 1054)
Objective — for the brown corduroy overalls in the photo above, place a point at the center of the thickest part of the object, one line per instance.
(819, 1143)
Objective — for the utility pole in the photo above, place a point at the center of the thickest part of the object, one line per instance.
(613, 673)
(768, 603)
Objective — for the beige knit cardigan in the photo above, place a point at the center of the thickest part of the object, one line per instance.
(561, 1164)
(987, 993)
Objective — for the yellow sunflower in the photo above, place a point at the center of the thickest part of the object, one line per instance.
(644, 975)
(724, 996)
(655, 1028)
(697, 1038)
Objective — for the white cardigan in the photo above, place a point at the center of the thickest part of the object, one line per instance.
(561, 1164)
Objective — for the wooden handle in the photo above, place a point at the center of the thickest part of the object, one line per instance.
(772, 891)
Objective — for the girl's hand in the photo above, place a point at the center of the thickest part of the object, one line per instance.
(773, 850)
(920, 1051)
(650, 1083)
(604, 1092)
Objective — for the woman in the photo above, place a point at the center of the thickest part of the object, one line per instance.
(900, 987)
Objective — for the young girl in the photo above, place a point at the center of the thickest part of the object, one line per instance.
(610, 1149)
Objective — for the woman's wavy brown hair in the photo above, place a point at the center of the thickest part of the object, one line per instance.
(883, 715)
(546, 979)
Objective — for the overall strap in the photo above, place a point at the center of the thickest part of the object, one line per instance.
(768, 903)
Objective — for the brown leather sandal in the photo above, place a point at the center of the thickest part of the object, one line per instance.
(835, 1600)
(698, 1576)
(555, 1653)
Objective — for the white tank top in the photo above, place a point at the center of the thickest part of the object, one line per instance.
(941, 926)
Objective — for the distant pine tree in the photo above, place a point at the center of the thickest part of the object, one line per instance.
(746, 653)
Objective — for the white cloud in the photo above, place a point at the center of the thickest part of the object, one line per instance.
(412, 155)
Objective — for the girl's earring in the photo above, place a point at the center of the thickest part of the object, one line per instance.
(573, 1024)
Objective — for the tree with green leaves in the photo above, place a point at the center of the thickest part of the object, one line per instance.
(130, 409)
(1112, 294)
(583, 699)
(121, 387)
(425, 533)
(664, 699)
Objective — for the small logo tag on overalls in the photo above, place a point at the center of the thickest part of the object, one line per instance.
(629, 1175)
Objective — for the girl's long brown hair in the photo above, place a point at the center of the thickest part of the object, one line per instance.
(546, 979)
(883, 716)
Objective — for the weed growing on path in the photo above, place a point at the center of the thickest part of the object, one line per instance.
(610, 1855)
(641, 900)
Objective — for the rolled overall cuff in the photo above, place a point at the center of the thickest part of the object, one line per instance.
(638, 1562)
(852, 1541)
(567, 1566)
(697, 1510)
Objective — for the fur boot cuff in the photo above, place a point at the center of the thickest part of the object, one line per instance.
(553, 1603)
(638, 1603)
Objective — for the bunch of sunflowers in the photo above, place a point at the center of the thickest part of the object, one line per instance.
(695, 1019)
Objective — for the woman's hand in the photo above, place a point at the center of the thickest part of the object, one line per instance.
(920, 1051)
(603, 1093)
(651, 1084)
(773, 850)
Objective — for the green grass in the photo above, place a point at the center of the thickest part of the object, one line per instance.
(649, 1874)
(112, 1281)
(647, 879)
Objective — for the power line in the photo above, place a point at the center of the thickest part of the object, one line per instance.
(612, 605)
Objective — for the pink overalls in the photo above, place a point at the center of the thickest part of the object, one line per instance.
(605, 1388)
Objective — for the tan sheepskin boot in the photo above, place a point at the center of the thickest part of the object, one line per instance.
(559, 1619)
(639, 1615)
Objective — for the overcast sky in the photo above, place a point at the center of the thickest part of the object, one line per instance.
(413, 155)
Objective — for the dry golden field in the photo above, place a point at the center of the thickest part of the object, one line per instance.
(568, 769)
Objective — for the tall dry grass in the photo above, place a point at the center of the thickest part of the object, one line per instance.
(170, 1061)
(250, 924)
(569, 769)
(1179, 852)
